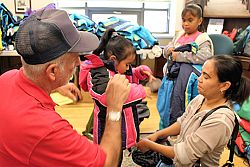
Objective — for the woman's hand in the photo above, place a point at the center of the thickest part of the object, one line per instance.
(153, 137)
(142, 145)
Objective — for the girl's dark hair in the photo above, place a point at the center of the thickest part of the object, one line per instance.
(196, 10)
(230, 69)
(113, 44)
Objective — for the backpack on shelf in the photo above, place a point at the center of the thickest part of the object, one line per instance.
(232, 34)
(241, 41)
(247, 46)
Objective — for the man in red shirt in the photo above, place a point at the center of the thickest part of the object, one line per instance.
(31, 132)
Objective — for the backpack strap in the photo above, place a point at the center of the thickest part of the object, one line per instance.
(211, 111)
(230, 162)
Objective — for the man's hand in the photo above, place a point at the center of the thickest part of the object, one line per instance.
(117, 92)
(70, 90)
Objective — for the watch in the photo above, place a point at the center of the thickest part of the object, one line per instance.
(114, 116)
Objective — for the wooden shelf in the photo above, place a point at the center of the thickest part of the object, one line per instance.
(226, 9)
(9, 60)
(7, 53)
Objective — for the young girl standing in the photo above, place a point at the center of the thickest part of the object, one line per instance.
(192, 32)
(117, 55)
(177, 92)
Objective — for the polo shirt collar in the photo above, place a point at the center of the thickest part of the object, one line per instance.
(35, 91)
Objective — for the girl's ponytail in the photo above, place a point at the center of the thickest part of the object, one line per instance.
(104, 41)
(242, 91)
(114, 44)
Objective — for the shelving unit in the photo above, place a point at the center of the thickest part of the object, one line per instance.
(236, 15)
(9, 60)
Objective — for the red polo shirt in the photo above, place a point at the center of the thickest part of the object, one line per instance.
(33, 134)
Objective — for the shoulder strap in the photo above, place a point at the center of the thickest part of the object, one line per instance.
(211, 111)
(230, 162)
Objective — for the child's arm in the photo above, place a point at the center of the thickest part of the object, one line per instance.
(141, 72)
(171, 45)
(97, 85)
(200, 57)
(168, 49)
(136, 94)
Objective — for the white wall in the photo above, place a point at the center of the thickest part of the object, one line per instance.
(36, 4)
(179, 7)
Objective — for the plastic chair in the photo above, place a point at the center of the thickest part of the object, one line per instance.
(222, 44)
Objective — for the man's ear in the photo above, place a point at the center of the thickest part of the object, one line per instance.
(51, 71)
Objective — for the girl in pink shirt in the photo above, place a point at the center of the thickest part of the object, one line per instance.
(191, 34)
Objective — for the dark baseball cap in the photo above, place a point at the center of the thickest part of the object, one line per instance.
(48, 34)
